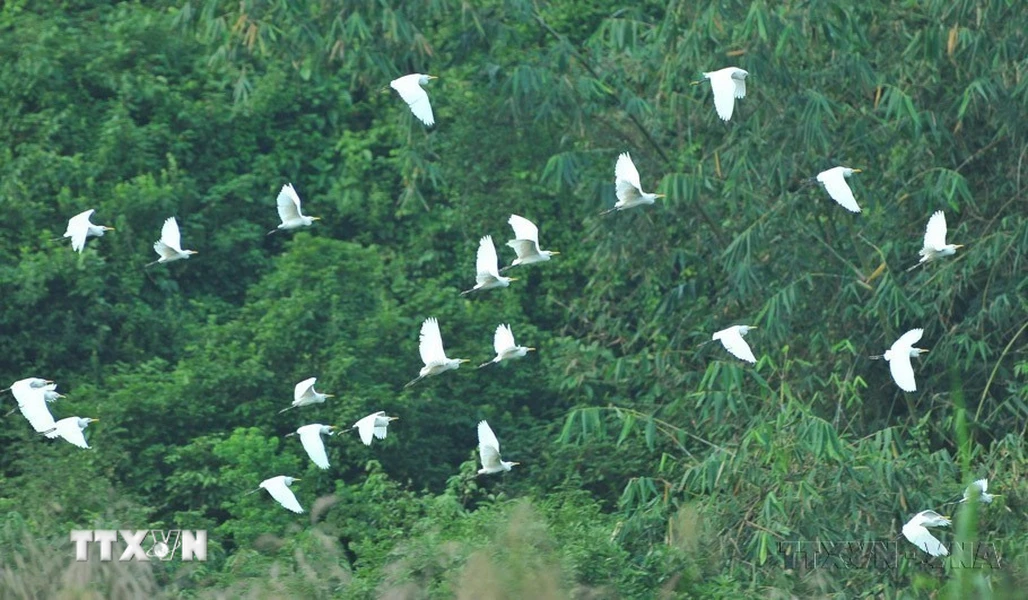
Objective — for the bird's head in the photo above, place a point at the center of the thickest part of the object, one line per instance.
(91, 420)
(290, 480)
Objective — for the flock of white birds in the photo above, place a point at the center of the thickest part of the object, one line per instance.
(727, 85)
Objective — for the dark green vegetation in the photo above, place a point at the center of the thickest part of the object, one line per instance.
(651, 466)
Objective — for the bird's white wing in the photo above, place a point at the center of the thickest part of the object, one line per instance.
(281, 492)
(486, 263)
(288, 203)
(902, 372)
(740, 85)
(503, 340)
(25, 393)
(524, 248)
(381, 431)
(415, 97)
(907, 340)
(626, 179)
(431, 346)
(923, 539)
(524, 229)
(486, 437)
(303, 388)
(69, 430)
(35, 411)
(724, 96)
(732, 340)
(78, 229)
(982, 485)
(935, 231)
(310, 437)
(836, 186)
(170, 235)
(366, 427)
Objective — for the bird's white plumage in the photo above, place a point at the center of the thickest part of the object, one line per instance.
(626, 179)
(899, 355)
(727, 84)
(372, 426)
(505, 346)
(916, 532)
(304, 391)
(310, 438)
(983, 487)
(79, 228)
(278, 487)
(834, 180)
(489, 451)
(430, 345)
(71, 429)
(731, 339)
(486, 266)
(526, 242)
(32, 404)
(169, 247)
(288, 203)
(935, 232)
(409, 88)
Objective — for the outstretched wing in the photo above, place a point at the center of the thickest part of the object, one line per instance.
(907, 340)
(288, 202)
(310, 437)
(170, 235)
(488, 446)
(415, 97)
(626, 179)
(902, 372)
(486, 263)
(366, 427)
(503, 340)
(69, 430)
(732, 340)
(524, 229)
(303, 388)
(78, 229)
(923, 539)
(836, 186)
(935, 231)
(724, 89)
(431, 346)
(281, 493)
(34, 409)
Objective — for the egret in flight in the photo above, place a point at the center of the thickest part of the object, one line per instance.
(79, 228)
(432, 353)
(71, 430)
(489, 451)
(169, 247)
(310, 437)
(304, 394)
(834, 180)
(373, 425)
(981, 486)
(915, 531)
(278, 487)
(506, 349)
(727, 84)
(898, 356)
(935, 245)
(409, 88)
(628, 187)
(487, 271)
(31, 396)
(731, 339)
(289, 211)
(526, 243)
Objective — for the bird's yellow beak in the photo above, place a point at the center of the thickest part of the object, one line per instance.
(514, 463)
(554, 252)
(330, 395)
(695, 82)
(108, 228)
(315, 218)
(661, 195)
(297, 479)
(394, 418)
(513, 278)
(96, 419)
(858, 170)
(530, 349)
(464, 360)
(432, 77)
(958, 245)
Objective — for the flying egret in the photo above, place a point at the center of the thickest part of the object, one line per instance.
(310, 437)
(981, 485)
(526, 242)
(31, 396)
(935, 245)
(487, 271)
(432, 353)
(834, 180)
(731, 339)
(489, 451)
(169, 247)
(627, 186)
(304, 394)
(71, 430)
(915, 531)
(899, 355)
(727, 84)
(409, 88)
(79, 228)
(278, 487)
(289, 210)
(503, 343)
(373, 425)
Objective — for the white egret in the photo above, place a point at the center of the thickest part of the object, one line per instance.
(169, 247)
(79, 228)
(31, 396)
(28, 382)
(487, 274)
(289, 210)
(628, 187)
(432, 353)
(489, 451)
(935, 245)
(71, 430)
(304, 394)
(278, 487)
(981, 485)
(915, 531)
(409, 88)
(727, 84)
(834, 180)
(526, 242)
(503, 343)
(899, 355)
(373, 425)
(731, 339)
(310, 437)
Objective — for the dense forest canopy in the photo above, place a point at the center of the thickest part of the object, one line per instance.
(652, 463)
